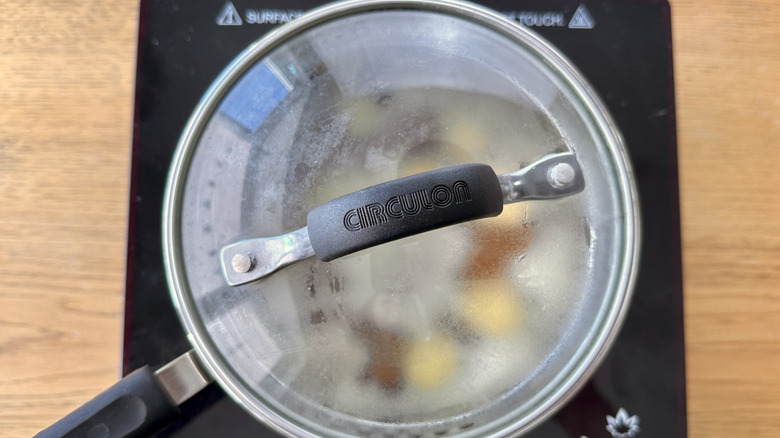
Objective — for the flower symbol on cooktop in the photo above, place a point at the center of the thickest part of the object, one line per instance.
(623, 426)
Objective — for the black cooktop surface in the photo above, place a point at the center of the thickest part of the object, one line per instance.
(622, 47)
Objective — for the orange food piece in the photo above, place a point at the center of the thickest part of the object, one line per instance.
(494, 243)
(384, 363)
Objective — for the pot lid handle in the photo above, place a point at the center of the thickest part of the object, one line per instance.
(401, 208)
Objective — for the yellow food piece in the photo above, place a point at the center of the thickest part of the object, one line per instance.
(420, 166)
(491, 307)
(429, 361)
(431, 155)
(467, 132)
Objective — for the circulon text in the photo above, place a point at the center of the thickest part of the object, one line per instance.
(409, 204)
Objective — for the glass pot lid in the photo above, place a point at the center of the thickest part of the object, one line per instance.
(475, 329)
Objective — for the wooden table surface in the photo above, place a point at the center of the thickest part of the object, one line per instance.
(66, 106)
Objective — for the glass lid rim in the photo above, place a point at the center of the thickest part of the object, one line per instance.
(182, 298)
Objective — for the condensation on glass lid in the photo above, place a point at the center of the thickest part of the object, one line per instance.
(429, 329)
(426, 327)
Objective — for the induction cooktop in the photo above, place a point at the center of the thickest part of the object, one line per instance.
(623, 48)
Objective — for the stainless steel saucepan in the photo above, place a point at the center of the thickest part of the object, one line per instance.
(343, 239)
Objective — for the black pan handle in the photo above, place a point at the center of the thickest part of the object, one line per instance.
(404, 207)
(140, 404)
(133, 407)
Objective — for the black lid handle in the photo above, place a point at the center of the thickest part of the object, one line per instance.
(402, 208)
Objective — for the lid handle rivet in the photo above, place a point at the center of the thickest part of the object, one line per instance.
(243, 262)
(561, 175)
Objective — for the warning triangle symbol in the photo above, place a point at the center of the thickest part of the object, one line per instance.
(228, 16)
(582, 19)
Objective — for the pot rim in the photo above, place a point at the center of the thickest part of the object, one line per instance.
(576, 375)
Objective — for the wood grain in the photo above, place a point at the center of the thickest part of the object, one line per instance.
(727, 57)
(66, 84)
(66, 87)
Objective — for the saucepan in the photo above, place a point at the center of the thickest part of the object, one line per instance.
(391, 218)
